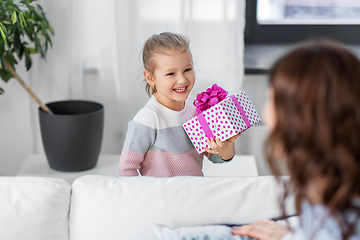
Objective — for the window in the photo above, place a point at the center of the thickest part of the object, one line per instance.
(289, 21)
(308, 12)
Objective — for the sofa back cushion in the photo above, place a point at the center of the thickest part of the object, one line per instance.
(128, 207)
(34, 208)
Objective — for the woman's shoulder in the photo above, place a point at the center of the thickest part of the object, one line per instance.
(317, 219)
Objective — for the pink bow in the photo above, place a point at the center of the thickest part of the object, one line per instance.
(211, 97)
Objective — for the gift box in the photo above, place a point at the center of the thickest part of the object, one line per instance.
(221, 117)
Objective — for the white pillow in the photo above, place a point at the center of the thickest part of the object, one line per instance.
(113, 208)
(34, 208)
(207, 232)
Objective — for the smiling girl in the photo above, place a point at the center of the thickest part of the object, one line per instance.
(156, 144)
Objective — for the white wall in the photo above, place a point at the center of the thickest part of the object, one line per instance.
(15, 126)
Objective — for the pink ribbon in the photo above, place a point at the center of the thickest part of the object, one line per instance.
(205, 126)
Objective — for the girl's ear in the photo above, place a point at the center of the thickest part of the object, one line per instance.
(149, 78)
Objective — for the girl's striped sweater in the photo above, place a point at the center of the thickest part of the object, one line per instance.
(157, 145)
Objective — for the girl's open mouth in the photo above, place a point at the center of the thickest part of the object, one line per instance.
(179, 90)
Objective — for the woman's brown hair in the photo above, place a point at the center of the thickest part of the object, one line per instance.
(316, 90)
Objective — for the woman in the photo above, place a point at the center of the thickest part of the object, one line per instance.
(313, 113)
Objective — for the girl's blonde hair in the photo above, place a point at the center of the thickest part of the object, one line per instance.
(161, 44)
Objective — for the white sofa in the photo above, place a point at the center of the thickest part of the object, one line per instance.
(104, 207)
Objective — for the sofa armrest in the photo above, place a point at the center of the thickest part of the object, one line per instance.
(34, 208)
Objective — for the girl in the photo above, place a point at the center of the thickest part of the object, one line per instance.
(156, 144)
(313, 113)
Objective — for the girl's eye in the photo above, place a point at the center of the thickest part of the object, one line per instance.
(170, 74)
(188, 69)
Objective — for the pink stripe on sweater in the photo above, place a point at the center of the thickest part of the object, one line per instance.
(129, 163)
(161, 164)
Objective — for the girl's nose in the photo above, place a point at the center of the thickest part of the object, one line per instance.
(182, 79)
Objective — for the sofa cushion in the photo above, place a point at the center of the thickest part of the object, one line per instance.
(34, 208)
(128, 207)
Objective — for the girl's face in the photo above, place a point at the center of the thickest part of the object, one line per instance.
(173, 78)
(268, 112)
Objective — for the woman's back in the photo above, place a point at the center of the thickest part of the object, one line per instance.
(313, 112)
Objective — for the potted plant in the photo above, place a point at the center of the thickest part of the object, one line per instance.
(23, 33)
(71, 130)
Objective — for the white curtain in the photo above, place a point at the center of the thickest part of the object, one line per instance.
(96, 53)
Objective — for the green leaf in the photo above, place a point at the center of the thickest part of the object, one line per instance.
(21, 24)
(49, 38)
(32, 50)
(38, 5)
(22, 19)
(50, 28)
(17, 42)
(2, 65)
(28, 61)
(5, 75)
(1, 91)
(20, 51)
(29, 32)
(13, 17)
(43, 39)
(3, 33)
(46, 43)
(39, 48)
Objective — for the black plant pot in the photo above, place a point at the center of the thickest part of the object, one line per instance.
(72, 136)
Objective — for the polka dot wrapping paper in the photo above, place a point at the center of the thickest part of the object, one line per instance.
(231, 116)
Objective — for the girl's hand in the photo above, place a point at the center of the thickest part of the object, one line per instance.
(225, 150)
(263, 229)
